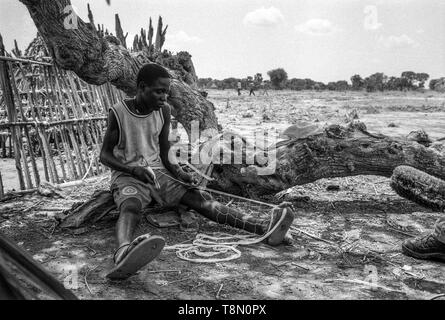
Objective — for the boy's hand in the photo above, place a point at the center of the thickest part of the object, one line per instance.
(186, 177)
(147, 175)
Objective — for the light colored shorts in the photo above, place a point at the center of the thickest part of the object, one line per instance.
(126, 186)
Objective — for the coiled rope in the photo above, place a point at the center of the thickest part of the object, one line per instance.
(204, 248)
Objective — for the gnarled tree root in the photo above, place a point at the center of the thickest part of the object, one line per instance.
(419, 187)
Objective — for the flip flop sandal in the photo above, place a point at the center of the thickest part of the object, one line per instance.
(137, 257)
(163, 220)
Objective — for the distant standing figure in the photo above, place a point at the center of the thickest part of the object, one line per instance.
(252, 89)
(239, 88)
(265, 89)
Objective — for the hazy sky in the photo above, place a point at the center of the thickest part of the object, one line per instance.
(324, 40)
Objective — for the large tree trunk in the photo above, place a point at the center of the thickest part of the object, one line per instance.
(338, 152)
(98, 59)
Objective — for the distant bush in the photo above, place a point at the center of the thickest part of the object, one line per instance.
(437, 84)
(278, 78)
(409, 80)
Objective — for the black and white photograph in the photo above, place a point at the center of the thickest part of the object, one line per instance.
(229, 156)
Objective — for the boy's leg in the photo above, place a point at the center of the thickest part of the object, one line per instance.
(215, 211)
(129, 218)
(132, 253)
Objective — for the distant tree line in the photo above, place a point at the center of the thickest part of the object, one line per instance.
(232, 83)
(408, 80)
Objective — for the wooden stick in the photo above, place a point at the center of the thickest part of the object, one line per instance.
(60, 116)
(101, 97)
(94, 129)
(63, 113)
(32, 154)
(15, 90)
(80, 162)
(97, 101)
(161, 271)
(95, 149)
(76, 104)
(47, 149)
(20, 144)
(77, 110)
(219, 291)
(9, 100)
(2, 191)
(45, 124)
(98, 145)
(176, 281)
(36, 115)
(99, 127)
(370, 284)
(105, 96)
(68, 153)
(3, 58)
(52, 117)
(35, 204)
(59, 153)
(75, 144)
(92, 100)
(10, 143)
(25, 162)
(238, 197)
(3, 137)
(81, 114)
(315, 237)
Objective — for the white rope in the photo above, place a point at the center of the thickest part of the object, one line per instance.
(206, 242)
(203, 241)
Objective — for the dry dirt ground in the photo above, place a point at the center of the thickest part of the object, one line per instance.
(346, 242)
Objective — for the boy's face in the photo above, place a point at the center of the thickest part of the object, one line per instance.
(155, 96)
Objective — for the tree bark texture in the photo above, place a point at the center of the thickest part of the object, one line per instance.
(337, 152)
(98, 60)
(419, 187)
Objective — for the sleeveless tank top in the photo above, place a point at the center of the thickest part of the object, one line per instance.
(138, 143)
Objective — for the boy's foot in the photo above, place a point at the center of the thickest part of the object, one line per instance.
(426, 247)
(280, 231)
(131, 257)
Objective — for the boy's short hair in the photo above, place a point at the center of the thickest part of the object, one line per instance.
(150, 72)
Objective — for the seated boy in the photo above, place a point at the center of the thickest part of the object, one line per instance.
(136, 148)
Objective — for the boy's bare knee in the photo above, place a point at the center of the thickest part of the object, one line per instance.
(132, 205)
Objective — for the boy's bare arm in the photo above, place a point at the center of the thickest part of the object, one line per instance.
(107, 157)
(164, 145)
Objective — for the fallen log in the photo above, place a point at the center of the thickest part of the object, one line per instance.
(340, 151)
(419, 187)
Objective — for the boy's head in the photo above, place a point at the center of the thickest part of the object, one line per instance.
(150, 72)
(153, 85)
